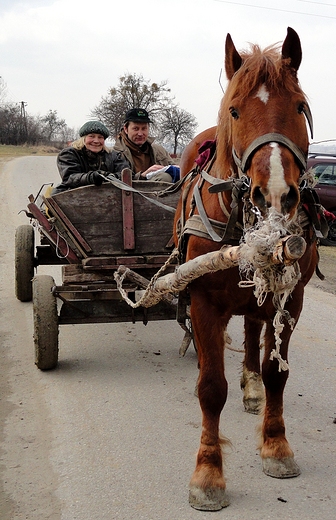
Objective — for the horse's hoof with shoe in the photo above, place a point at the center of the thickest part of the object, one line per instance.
(210, 499)
(281, 468)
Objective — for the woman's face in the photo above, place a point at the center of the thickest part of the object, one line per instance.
(94, 142)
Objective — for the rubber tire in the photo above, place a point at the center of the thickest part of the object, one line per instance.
(45, 323)
(24, 262)
(330, 240)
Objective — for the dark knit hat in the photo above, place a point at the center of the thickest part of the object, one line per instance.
(94, 127)
(138, 115)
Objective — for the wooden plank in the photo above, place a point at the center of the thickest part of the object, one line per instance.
(76, 274)
(103, 262)
(127, 212)
(59, 213)
(115, 311)
(60, 244)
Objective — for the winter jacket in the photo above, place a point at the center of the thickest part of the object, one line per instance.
(75, 166)
(160, 155)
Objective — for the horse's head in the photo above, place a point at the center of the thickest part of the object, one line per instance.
(262, 126)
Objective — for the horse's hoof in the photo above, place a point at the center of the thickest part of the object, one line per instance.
(281, 468)
(253, 405)
(254, 394)
(212, 499)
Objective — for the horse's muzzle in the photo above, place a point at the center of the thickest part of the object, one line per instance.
(286, 202)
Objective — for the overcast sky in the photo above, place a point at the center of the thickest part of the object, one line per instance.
(65, 54)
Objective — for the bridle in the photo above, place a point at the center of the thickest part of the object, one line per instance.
(243, 162)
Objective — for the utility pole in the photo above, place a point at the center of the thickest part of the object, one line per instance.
(23, 122)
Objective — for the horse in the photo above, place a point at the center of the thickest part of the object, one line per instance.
(255, 159)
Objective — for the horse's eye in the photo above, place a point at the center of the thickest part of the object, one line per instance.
(234, 113)
(301, 108)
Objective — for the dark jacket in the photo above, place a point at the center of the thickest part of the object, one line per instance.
(75, 166)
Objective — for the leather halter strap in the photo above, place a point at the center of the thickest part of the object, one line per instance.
(243, 163)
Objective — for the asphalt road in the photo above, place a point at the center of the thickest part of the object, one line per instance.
(112, 433)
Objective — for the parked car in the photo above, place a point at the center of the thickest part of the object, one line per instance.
(324, 168)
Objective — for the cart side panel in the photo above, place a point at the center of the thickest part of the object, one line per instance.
(96, 212)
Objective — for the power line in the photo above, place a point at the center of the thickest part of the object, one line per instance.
(275, 9)
(318, 3)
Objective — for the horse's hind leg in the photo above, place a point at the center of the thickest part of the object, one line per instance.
(251, 381)
(277, 456)
(207, 485)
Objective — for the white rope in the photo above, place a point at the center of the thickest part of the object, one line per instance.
(150, 296)
(267, 277)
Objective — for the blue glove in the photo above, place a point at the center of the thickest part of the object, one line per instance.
(174, 172)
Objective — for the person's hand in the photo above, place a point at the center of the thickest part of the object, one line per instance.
(154, 168)
(96, 178)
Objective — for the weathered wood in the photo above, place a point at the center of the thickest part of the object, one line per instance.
(54, 237)
(127, 212)
(114, 311)
(289, 249)
(55, 210)
(96, 213)
(132, 276)
(76, 274)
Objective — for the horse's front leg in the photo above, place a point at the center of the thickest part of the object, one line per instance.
(207, 485)
(277, 456)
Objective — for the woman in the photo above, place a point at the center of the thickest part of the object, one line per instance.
(88, 159)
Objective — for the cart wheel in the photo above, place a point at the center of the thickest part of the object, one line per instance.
(45, 323)
(24, 262)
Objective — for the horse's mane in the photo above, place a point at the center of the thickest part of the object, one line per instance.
(258, 67)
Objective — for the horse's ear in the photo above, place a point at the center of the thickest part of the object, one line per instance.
(233, 59)
(291, 48)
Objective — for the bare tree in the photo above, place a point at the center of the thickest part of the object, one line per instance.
(10, 124)
(177, 127)
(133, 91)
(53, 126)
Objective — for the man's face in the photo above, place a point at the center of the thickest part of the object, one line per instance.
(137, 132)
(94, 142)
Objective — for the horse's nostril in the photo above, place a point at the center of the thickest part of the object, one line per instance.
(290, 200)
(258, 198)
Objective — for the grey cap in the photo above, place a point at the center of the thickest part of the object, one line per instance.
(94, 127)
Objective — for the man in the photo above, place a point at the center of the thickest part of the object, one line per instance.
(143, 155)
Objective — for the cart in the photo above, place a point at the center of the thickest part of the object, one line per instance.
(91, 231)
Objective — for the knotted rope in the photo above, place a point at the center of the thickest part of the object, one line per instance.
(266, 277)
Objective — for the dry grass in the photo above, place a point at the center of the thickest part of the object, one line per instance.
(10, 151)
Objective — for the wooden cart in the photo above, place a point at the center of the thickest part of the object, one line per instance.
(91, 231)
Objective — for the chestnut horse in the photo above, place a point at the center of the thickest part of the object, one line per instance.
(258, 158)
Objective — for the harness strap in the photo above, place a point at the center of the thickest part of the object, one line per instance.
(204, 217)
(126, 187)
(195, 226)
(309, 199)
(243, 163)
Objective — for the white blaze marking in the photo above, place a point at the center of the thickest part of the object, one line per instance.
(276, 185)
(262, 94)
